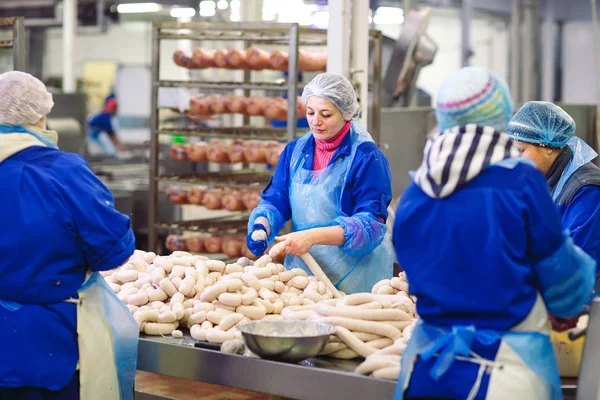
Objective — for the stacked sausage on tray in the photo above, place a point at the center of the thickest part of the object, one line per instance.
(212, 298)
(268, 107)
(250, 59)
(229, 151)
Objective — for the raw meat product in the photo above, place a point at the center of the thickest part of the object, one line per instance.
(179, 152)
(213, 200)
(254, 152)
(255, 106)
(236, 151)
(275, 109)
(213, 244)
(195, 243)
(183, 59)
(202, 58)
(237, 59)
(218, 104)
(312, 61)
(251, 198)
(197, 151)
(232, 201)
(199, 106)
(258, 59)
(274, 154)
(176, 243)
(221, 58)
(279, 60)
(232, 246)
(177, 195)
(238, 104)
(196, 195)
(218, 152)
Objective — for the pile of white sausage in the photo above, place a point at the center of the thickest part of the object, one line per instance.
(207, 296)
(211, 298)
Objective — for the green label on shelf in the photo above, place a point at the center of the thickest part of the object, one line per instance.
(178, 139)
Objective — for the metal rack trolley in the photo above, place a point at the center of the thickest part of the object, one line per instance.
(291, 35)
(16, 42)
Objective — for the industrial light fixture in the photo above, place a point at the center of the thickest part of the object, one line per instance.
(207, 8)
(222, 4)
(182, 12)
(131, 8)
(235, 10)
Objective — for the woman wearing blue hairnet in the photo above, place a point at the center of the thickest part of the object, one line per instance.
(64, 334)
(334, 184)
(485, 254)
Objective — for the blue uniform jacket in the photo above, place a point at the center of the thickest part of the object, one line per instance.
(367, 188)
(101, 122)
(582, 217)
(58, 220)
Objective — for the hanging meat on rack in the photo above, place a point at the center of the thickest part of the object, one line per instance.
(196, 152)
(232, 246)
(213, 244)
(236, 151)
(237, 104)
(275, 109)
(175, 243)
(203, 58)
(279, 60)
(183, 59)
(195, 243)
(221, 58)
(196, 195)
(251, 199)
(312, 61)
(274, 154)
(218, 152)
(237, 59)
(254, 152)
(179, 152)
(177, 195)
(232, 201)
(213, 199)
(199, 106)
(255, 105)
(218, 104)
(258, 59)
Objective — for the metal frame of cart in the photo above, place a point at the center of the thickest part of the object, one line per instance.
(17, 41)
(291, 35)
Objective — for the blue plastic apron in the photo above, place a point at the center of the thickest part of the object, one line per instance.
(315, 199)
(448, 344)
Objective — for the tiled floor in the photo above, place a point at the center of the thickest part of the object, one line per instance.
(182, 389)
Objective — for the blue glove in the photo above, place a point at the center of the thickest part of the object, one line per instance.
(257, 247)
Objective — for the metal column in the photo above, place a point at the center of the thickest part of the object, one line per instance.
(338, 37)
(529, 40)
(515, 52)
(466, 52)
(69, 31)
(360, 55)
(154, 145)
(549, 38)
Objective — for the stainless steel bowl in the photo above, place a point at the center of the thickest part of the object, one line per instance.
(288, 341)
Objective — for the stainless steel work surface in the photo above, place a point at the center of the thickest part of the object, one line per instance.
(316, 378)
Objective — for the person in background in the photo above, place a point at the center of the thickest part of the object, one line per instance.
(61, 324)
(485, 253)
(100, 124)
(335, 185)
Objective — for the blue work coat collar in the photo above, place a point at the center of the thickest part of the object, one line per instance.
(344, 149)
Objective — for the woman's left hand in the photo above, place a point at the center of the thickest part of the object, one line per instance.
(296, 243)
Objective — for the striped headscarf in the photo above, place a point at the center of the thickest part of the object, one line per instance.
(454, 157)
(473, 95)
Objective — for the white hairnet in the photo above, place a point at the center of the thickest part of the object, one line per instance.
(23, 99)
(335, 88)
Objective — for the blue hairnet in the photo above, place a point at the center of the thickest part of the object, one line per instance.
(542, 124)
(473, 95)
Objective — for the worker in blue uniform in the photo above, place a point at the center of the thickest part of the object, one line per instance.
(62, 327)
(101, 124)
(486, 256)
(335, 185)
(545, 133)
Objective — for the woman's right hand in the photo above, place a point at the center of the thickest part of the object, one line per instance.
(257, 240)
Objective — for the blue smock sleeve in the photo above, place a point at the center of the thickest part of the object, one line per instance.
(371, 184)
(105, 234)
(582, 218)
(275, 203)
(563, 272)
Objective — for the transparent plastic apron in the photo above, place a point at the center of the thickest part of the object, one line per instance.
(315, 199)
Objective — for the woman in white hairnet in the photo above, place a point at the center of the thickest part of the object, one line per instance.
(335, 185)
(64, 334)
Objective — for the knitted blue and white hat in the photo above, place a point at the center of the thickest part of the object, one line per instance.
(474, 95)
